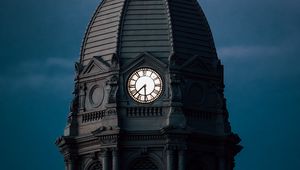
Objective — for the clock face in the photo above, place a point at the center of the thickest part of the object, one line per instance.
(144, 85)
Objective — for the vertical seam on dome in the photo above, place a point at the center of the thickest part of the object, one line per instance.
(120, 29)
(170, 28)
(88, 28)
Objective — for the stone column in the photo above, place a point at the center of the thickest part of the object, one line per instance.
(182, 159)
(70, 163)
(82, 96)
(106, 160)
(221, 163)
(170, 159)
(115, 161)
(66, 166)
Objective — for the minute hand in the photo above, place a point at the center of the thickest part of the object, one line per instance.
(144, 86)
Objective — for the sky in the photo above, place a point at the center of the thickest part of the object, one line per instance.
(257, 41)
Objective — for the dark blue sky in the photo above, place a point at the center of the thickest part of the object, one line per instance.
(257, 41)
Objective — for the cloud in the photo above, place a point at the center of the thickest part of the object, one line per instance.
(50, 73)
(36, 81)
(248, 51)
(273, 64)
(47, 64)
(287, 48)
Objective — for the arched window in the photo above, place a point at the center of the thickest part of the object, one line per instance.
(144, 164)
(95, 166)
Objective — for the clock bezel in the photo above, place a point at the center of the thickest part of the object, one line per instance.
(142, 101)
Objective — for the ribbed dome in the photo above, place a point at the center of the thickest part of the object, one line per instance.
(161, 27)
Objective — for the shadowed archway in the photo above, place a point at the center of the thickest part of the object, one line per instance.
(95, 166)
(144, 163)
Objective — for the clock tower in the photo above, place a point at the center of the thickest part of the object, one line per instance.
(148, 92)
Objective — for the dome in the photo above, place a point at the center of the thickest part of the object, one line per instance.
(163, 28)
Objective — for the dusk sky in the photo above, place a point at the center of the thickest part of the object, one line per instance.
(257, 41)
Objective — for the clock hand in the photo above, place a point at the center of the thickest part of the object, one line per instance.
(145, 89)
(140, 89)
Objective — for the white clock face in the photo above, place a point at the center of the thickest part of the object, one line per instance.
(144, 85)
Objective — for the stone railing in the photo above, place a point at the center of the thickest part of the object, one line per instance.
(144, 111)
(97, 115)
(199, 115)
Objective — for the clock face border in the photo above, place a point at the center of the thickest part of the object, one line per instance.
(160, 91)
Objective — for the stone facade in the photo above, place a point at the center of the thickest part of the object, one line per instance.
(186, 128)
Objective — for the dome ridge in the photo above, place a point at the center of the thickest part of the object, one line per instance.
(192, 34)
(160, 27)
(145, 28)
(101, 36)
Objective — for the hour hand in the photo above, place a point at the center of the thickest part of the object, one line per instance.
(145, 90)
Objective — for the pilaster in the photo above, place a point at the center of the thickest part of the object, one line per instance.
(106, 159)
(115, 159)
(182, 159)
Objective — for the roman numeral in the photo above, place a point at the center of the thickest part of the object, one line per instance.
(140, 97)
(155, 92)
(155, 78)
(133, 92)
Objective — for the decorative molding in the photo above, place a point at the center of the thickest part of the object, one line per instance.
(144, 150)
(143, 137)
(144, 163)
(108, 139)
(96, 66)
(142, 58)
(199, 115)
(115, 61)
(94, 165)
(171, 147)
(82, 96)
(75, 104)
(64, 141)
(175, 89)
(78, 69)
(112, 88)
(132, 159)
(106, 135)
(144, 111)
(175, 61)
(97, 115)
(196, 63)
(100, 130)
(96, 95)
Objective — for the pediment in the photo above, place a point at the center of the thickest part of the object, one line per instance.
(146, 59)
(96, 65)
(197, 64)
